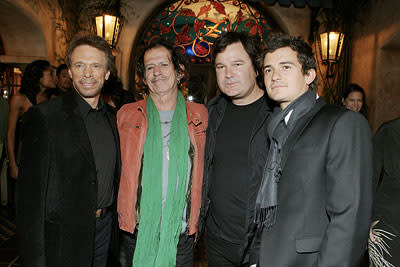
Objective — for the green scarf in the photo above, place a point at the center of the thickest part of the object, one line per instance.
(157, 242)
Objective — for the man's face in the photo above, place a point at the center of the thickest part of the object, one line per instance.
(64, 81)
(88, 71)
(236, 76)
(354, 101)
(160, 73)
(283, 76)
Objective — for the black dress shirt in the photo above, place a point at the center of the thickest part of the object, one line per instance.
(104, 149)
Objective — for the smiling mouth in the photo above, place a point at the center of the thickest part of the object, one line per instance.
(88, 84)
(158, 79)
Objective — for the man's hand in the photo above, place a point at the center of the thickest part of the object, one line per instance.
(371, 234)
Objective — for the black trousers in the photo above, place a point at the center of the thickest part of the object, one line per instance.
(222, 253)
(102, 240)
(184, 255)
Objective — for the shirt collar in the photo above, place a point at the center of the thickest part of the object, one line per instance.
(290, 113)
(85, 108)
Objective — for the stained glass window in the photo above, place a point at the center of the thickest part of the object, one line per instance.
(193, 25)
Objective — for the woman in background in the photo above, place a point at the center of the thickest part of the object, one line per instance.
(37, 79)
(354, 98)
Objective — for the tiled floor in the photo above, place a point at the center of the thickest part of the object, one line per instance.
(9, 252)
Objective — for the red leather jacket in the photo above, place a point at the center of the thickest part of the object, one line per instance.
(132, 126)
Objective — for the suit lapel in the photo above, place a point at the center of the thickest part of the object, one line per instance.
(76, 127)
(301, 124)
(112, 121)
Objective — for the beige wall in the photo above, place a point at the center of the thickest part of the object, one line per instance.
(375, 60)
(28, 30)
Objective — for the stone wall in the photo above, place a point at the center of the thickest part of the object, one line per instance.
(375, 60)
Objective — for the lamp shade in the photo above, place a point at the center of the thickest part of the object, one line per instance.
(107, 27)
(331, 44)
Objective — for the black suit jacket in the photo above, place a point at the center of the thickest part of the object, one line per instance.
(325, 192)
(58, 185)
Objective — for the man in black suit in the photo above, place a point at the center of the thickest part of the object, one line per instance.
(70, 166)
(314, 204)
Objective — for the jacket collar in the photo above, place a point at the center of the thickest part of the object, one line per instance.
(192, 116)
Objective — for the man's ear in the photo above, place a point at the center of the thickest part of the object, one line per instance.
(310, 76)
(107, 75)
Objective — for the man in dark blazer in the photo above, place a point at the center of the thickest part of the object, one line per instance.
(70, 167)
(313, 207)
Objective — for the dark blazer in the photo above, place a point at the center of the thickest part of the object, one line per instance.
(387, 184)
(58, 185)
(325, 192)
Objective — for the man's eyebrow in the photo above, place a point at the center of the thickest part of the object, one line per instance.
(280, 63)
(286, 62)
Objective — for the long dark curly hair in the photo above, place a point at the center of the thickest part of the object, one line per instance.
(30, 82)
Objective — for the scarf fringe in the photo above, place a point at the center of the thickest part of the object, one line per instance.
(266, 217)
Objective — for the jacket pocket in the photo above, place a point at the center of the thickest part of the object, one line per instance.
(308, 245)
(200, 131)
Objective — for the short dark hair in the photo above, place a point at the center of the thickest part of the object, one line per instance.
(249, 43)
(30, 81)
(353, 87)
(304, 52)
(177, 59)
(114, 90)
(60, 69)
(93, 41)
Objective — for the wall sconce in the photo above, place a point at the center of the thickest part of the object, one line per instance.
(330, 44)
(108, 27)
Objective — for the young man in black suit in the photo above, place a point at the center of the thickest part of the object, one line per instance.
(313, 207)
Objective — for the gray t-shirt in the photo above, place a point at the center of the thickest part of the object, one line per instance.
(166, 120)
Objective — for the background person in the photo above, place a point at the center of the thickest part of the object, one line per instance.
(387, 185)
(64, 81)
(354, 98)
(3, 134)
(36, 80)
(114, 94)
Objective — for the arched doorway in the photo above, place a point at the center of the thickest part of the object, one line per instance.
(193, 25)
(22, 41)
